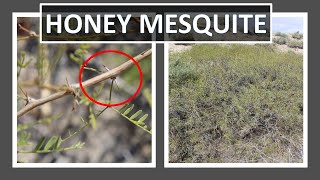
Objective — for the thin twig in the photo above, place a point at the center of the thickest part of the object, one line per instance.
(75, 133)
(92, 69)
(110, 93)
(42, 101)
(31, 33)
(24, 93)
(72, 89)
(49, 151)
(114, 79)
(102, 111)
(43, 86)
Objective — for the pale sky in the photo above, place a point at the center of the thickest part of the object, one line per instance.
(287, 24)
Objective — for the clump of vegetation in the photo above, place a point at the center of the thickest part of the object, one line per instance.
(280, 40)
(295, 44)
(235, 104)
(297, 35)
(184, 74)
(280, 34)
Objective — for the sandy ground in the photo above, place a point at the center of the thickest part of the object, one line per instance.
(176, 48)
(285, 48)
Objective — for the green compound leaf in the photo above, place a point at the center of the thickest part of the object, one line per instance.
(123, 107)
(40, 144)
(140, 123)
(50, 143)
(143, 118)
(136, 114)
(128, 110)
(58, 143)
(23, 139)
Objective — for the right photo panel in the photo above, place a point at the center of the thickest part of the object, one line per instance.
(239, 105)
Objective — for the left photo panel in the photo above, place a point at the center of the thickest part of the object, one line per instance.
(81, 105)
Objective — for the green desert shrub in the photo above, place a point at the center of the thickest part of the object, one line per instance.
(280, 34)
(235, 103)
(280, 40)
(297, 35)
(184, 74)
(295, 44)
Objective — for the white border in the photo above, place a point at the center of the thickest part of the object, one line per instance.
(156, 4)
(304, 164)
(152, 164)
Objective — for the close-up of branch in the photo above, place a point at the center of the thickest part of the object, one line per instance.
(48, 82)
(71, 89)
